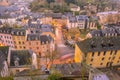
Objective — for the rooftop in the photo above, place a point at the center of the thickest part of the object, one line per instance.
(23, 57)
(98, 44)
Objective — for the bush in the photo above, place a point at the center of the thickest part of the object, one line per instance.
(6, 78)
(54, 76)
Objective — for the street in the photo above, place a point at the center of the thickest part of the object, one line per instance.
(62, 49)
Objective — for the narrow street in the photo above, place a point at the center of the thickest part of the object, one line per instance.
(63, 50)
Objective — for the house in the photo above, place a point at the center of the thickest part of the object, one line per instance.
(104, 17)
(71, 22)
(94, 33)
(20, 60)
(41, 45)
(4, 3)
(47, 29)
(108, 32)
(6, 38)
(4, 72)
(80, 21)
(19, 37)
(78, 71)
(98, 52)
(31, 74)
(75, 8)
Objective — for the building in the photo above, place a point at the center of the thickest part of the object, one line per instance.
(19, 38)
(78, 71)
(71, 22)
(20, 60)
(4, 72)
(6, 38)
(107, 32)
(98, 52)
(80, 21)
(109, 17)
(4, 3)
(41, 45)
(75, 8)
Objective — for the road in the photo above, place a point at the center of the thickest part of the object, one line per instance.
(62, 49)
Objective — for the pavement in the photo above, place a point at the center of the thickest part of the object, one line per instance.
(62, 49)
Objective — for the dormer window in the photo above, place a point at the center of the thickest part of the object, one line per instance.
(106, 34)
(21, 33)
(17, 33)
(110, 44)
(93, 46)
(42, 42)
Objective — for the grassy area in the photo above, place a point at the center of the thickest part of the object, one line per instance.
(6, 78)
(83, 33)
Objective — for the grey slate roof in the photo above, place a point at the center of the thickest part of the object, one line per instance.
(24, 57)
(70, 69)
(13, 31)
(2, 59)
(41, 38)
(46, 28)
(4, 50)
(96, 32)
(98, 44)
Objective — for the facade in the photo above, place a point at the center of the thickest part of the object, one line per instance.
(19, 37)
(107, 32)
(98, 52)
(80, 21)
(4, 72)
(41, 45)
(6, 37)
(104, 17)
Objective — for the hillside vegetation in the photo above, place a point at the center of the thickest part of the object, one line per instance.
(64, 5)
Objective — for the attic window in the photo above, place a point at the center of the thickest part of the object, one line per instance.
(93, 46)
(110, 44)
(103, 45)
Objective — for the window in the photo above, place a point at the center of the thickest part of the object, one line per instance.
(19, 42)
(118, 61)
(113, 58)
(30, 48)
(24, 47)
(101, 63)
(111, 52)
(92, 59)
(37, 47)
(109, 58)
(93, 54)
(115, 52)
(23, 42)
(20, 47)
(102, 59)
(29, 43)
(98, 53)
(36, 43)
(90, 64)
(104, 53)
